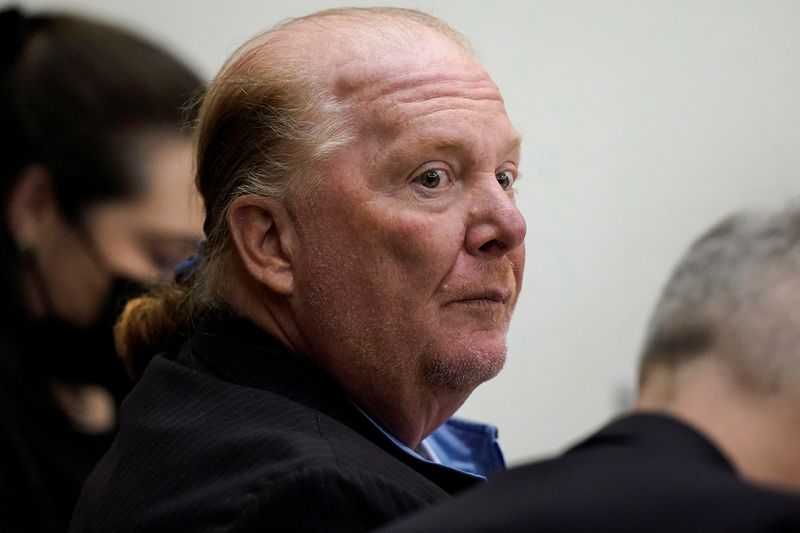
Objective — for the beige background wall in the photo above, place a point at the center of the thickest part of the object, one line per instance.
(644, 122)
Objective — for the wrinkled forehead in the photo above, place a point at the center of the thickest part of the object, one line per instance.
(402, 76)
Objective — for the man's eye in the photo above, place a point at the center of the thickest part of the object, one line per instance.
(433, 178)
(505, 178)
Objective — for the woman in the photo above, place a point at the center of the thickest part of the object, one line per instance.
(98, 200)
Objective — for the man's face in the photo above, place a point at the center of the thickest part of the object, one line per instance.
(412, 255)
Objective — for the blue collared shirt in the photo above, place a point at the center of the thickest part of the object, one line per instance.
(462, 445)
(467, 446)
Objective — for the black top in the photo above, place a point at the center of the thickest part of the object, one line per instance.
(237, 433)
(44, 459)
(641, 473)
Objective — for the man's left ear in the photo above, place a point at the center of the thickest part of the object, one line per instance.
(264, 235)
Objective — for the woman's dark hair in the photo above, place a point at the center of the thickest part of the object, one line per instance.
(72, 88)
(75, 94)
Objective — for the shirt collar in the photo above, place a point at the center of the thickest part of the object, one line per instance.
(468, 447)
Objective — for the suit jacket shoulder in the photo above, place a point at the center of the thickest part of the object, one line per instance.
(236, 434)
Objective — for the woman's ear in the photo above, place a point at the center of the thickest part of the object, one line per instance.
(263, 234)
(31, 207)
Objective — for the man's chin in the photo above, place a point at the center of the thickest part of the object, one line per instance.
(461, 371)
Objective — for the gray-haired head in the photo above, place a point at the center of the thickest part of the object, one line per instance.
(736, 294)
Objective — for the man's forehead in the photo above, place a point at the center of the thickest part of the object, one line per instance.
(472, 130)
(395, 68)
(404, 84)
(426, 97)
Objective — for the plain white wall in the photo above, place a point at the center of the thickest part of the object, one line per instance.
(644, 122)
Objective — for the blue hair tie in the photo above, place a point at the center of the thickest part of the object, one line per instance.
(189, 265)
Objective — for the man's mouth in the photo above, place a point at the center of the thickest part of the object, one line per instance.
(484, 297)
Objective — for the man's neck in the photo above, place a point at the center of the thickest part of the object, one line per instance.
(409, 416)
(752, 428)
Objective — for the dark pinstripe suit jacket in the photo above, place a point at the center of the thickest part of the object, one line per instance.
(234, 433)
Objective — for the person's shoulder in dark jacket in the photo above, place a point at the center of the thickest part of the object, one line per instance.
(640, 473)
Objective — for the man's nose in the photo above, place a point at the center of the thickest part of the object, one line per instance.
(496, 226)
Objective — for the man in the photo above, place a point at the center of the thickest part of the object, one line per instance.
(364, 254)
(719, 398)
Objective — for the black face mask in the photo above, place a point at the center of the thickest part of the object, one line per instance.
(86, 354)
